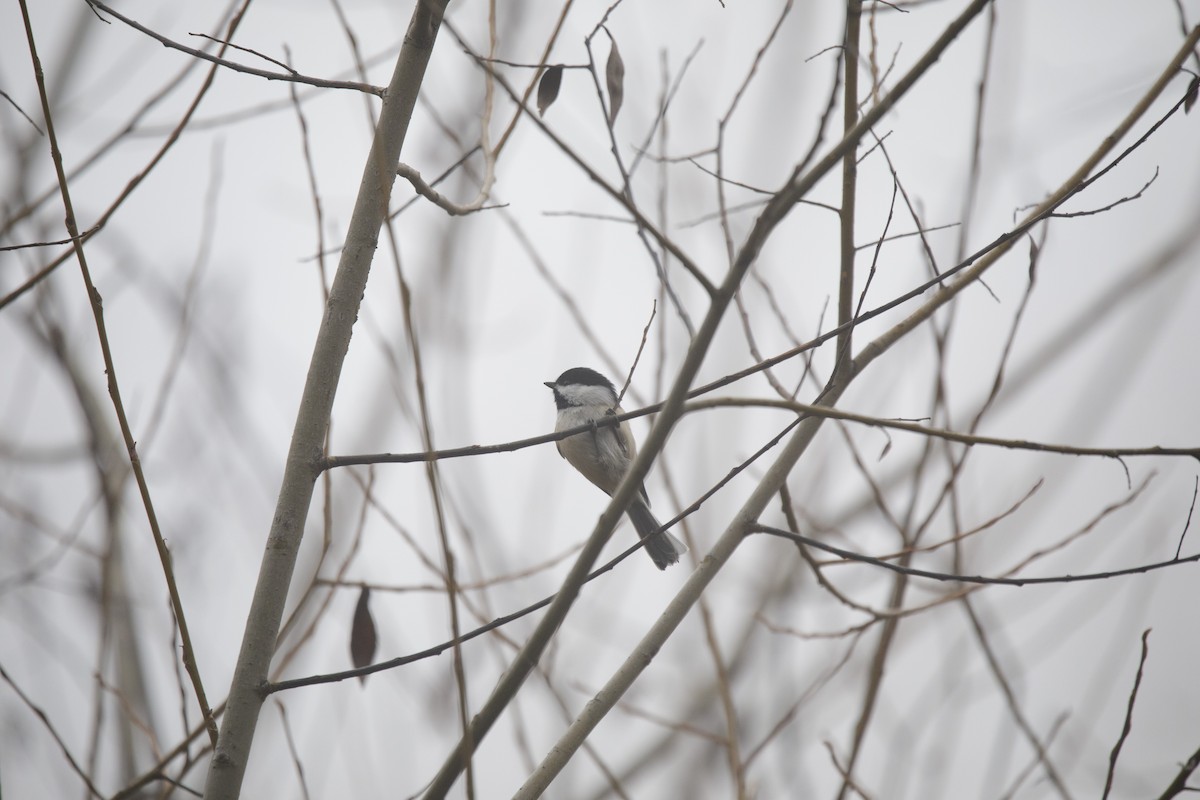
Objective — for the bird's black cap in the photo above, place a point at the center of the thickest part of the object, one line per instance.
(581, 376)
(577, 376)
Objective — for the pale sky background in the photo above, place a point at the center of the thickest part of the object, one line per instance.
(230, 210)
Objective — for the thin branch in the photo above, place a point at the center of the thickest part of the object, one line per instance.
(657, 258)
(798, 185)
(164, 555)
(436, 650)
(1179, 785)
(1019, 716)
(134, 182)
(290, 70)
(499, 622)
(422, 188)
(1128, 726)
(41, 715)
(1072, 186)
(434, 482)
(293, 77)
(807, 409)
(1120, 201)
(846, 215)
(1184, 27)
(644, 223)
(896, 236)
(303, 465)
(776, 210)
(473, 586)
(976, 579)
(519, 65)
(659, 123)
(1020, 778)
(895, 612)
(21, 111)
(69, 240)
(638, 356)
(1188, 522)
(291, 746)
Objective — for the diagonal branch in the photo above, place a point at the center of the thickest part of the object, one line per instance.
(292, 76)
(304, 459)
(114, 390)
(776, 209)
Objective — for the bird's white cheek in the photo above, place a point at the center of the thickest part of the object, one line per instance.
(575, 416)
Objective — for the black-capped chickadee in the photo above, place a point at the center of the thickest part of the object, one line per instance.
(603, 454)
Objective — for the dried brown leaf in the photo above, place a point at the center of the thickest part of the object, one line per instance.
(614, 73)
(1193, 92)
(362, 633)
(548, 88)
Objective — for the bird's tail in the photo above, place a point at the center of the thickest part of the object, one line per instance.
(664, 548)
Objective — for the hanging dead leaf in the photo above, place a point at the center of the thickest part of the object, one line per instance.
(1193, 91)
(362, 633)
(614, 73)
(548, 88)
(1034, 252)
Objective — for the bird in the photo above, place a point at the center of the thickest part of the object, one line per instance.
(604, 454)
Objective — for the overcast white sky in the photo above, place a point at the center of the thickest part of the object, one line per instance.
(219, 242)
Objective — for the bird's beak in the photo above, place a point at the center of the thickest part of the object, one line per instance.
(548, 384)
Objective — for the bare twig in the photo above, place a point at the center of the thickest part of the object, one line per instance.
(846, 215)
(41, 715)
(189, 654)
(291, 746)
(1014, 706)
(436, 650)
(1141, 569)
(228, 764)
(137, 179)
(638, 356)
(21, 111)
(253, 52)
(807, 409)
(1128, 725)
(1188, 523)
(1179, 785)
(69, 240)
(643, 222)
(1118, 202)
(291, 76)
(422, 188)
